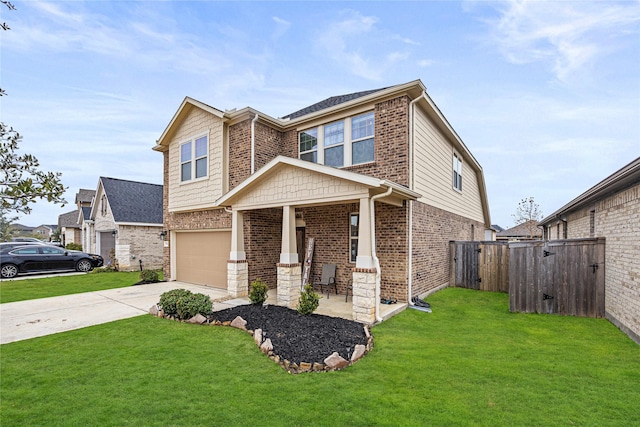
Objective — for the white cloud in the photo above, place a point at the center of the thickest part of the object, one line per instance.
(566, 35)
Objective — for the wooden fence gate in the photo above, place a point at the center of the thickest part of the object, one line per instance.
(559, 276)
(480, 265)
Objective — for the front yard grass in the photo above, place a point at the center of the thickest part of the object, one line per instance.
(470, 362)
(26, 289)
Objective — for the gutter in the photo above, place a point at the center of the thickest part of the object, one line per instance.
(376, 261)
(411, 143)
(253, 143)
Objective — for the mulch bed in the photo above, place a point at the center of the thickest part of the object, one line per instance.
(296, 337)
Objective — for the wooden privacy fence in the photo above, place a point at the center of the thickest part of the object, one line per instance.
(560, 276)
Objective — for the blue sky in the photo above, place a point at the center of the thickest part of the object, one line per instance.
(546, 95)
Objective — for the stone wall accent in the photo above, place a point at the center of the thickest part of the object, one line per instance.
(364, 296)
(139, 243)
(433, 228)
(289, 283)
(237, 278)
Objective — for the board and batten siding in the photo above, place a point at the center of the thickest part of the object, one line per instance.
(204, 192)
(433, 172)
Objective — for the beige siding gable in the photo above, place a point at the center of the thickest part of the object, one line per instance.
(199, 193)
(433, 172)
(295, 186)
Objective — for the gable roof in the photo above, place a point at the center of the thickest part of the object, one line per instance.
(85, 196)
(520, 230)
(330, 102)
(132, 201)
(625, 177)
(69, 219)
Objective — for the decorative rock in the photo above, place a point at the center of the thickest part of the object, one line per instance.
(286, 364)
(160, 313)
(153, 310)
(226, 323)
(318, 366)
(266, 346)
(239, 323)
(198, 319)
(335, 361)
(358, 352)
(305, 366)
(366, 331)
(257, 336)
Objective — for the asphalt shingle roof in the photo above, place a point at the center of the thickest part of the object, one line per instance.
(69, 220)
(330, 102)
(132, 201)
(85, 196)
(86, 212)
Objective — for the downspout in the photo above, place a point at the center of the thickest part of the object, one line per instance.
(411, 142)
(376, 261)
(253, 144)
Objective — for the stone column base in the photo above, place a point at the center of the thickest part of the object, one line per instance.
(364, 295)
(289, 282)
(237, 278)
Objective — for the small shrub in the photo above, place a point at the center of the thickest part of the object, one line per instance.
(258, 294)
(309, 300)
(150, 276)
(190, 305)
(169, 300)
(73, 246)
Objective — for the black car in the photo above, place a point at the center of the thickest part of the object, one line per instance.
(41, 258)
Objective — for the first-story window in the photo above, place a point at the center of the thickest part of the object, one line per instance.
(194, 152)
(457, 172)
(354, 220)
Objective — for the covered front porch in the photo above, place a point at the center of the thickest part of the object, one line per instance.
(292, 186)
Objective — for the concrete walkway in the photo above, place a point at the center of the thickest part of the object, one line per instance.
(35, 318)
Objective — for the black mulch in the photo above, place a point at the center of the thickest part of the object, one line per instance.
(298, 338)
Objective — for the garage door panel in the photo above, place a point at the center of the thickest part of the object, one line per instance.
(201, 257)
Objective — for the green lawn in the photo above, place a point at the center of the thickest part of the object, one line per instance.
(470, 362)
(21, 290)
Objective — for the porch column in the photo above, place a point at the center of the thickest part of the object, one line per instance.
(364, 258)
(237, 266)
(289, 269)
(364, 275)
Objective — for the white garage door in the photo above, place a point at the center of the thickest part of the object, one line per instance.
(201, 257)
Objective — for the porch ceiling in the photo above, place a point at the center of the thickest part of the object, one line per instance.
(287, 181)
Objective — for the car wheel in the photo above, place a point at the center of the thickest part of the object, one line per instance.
(8, 271)
(84, 265)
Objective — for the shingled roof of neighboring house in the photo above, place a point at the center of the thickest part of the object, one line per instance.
(69, 220)
(86, 212)
(330, 102)
(85, 196)
(520, 230)
(132, 201)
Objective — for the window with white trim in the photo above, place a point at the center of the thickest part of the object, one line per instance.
(342, 143)
(354, 223)
(192, 153)
(457, 172)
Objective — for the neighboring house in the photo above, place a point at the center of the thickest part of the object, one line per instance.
(69, 228)
(70, 224)
(528, 230)
(379, 179)
(610, 209)
(45, 231)
(126, 218)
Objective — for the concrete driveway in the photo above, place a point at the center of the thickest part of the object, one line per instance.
(35, 318)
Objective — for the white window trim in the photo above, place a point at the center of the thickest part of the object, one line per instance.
(193, 159)
(456, 163)
(351, 238)
(347, 144)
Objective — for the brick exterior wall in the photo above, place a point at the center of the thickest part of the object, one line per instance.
(263, 242)
(617, 219)
(239, 153)
(433, 228)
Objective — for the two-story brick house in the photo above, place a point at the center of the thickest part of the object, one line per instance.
(379, 179)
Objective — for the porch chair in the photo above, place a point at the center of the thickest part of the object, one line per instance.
(328, 278)
(349, 288)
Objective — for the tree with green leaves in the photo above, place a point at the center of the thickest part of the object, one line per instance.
(21, 180)
(528, 213)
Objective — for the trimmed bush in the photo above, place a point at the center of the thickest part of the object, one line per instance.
(309, 300)
(169, 300)
(190, 305)
(73, 246)
(149, 276)
(258, 294)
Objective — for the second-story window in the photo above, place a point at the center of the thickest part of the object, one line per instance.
(193, 159)
(343, 143)
(457, 172)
